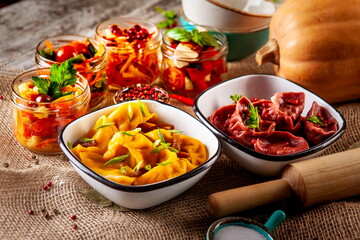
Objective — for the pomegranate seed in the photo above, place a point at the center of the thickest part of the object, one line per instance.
(43, 98)
(73, 217)
(138, 36)
(129, 38)
(49, 184)
(75, 226)
(31, 212)
(45, 187)
(137, 28)
(1, 97)
(131, 31)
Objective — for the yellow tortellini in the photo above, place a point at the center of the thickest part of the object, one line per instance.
(131, 146)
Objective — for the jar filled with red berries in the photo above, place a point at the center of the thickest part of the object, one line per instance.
(194, 59)
(133, 51)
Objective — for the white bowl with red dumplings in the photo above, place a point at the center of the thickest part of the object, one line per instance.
(273, 123)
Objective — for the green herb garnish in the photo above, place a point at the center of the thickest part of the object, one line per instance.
(69, 144)
(116, 159)
(142, 107)
(253, 120)
(60, 76)
(170, 18)
(91, 48)
(316, 119)
(236, 97)
(200, 38)
(175, 131)
(85, 140)
(138, 166)
(163, 146)
(161, 136)
(48, 53)
(160, 144)
(163, 163)
(104, 125)
(123, 170)
(148, 167)
(126, 133)
(77, 59)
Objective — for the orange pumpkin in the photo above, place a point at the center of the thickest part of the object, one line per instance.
(317, 45)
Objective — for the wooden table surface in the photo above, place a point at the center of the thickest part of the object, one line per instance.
(24, 24)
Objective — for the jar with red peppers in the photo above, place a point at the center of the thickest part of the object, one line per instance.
(38, 117)
(194, 59)
(88, 56)
(133, 51)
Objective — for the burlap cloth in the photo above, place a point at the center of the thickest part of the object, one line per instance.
(184, 217)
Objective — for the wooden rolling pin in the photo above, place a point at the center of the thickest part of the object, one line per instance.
(322, 179)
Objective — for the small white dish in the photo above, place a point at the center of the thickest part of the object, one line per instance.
(143, 196)
(260, 86)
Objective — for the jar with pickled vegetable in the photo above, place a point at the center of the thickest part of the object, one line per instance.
(88, 56)
(133, 50)
(194, 59)
(44, 101)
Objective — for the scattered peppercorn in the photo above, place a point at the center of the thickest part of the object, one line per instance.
(6, 165)
(55, 211)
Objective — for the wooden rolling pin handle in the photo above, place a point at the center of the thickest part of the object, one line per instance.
(239, 199)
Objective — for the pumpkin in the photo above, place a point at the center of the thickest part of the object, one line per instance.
(316, 44)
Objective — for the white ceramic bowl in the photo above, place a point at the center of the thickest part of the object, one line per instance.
(260, 86)
(145, 196)
(242, 17)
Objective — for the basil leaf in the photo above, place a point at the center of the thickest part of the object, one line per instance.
(179, 34)
(208, 39)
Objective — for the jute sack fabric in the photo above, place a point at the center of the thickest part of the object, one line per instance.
(184, 217)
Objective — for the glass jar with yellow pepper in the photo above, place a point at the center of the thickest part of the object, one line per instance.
(44, 101)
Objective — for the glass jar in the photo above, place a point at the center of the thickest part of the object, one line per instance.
(36, 125)
(133, 50)
(92, 66)
(188, 68)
